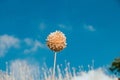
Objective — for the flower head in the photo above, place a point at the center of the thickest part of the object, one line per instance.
(56, 41)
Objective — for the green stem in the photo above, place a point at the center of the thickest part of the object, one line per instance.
(54, 65)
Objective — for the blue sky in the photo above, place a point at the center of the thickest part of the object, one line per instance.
(92, 29)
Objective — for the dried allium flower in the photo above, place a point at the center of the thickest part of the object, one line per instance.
(56, 41)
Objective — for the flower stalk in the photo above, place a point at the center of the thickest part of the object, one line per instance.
(54, 68)
(56, 41)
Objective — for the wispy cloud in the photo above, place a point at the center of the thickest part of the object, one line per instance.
(66, 27)
(6, 42)
(90, 28)
(35, 45)
(28, 41)
(42, 26)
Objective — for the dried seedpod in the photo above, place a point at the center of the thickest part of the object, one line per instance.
(56, 41)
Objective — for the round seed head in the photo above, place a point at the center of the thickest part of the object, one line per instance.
(56, 41)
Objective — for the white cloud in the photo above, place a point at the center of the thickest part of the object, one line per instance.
(62, 26)
(6, 42)
(35, 45)
(98, 74)
(28, 41)
(22, 70)
(90, 28)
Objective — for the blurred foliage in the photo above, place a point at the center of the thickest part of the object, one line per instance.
(115, 66)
